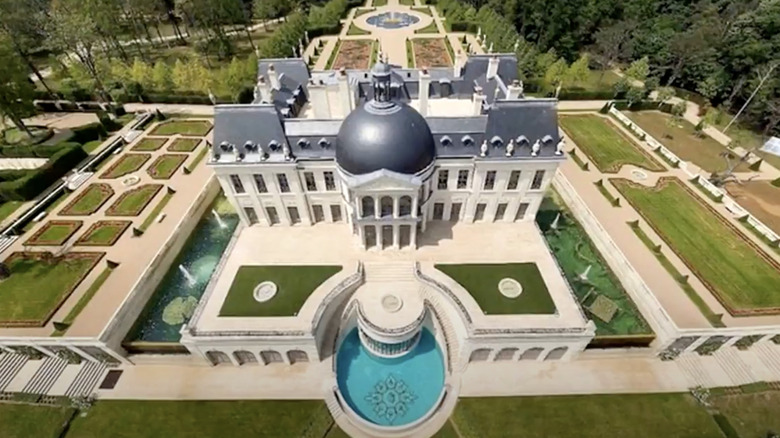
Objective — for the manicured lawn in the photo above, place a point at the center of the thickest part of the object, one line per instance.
(481, 281)
(164, 166)
(294, 283)
(354, 30)
(379, 3)
(760, 198)
(25, 421)
(132, 202)
(197, 128)
(156, 211)
(37, 287)
(7, 208)
(128, 163)
(608, 148)
(54, 233)
(198, 158)
(752, 415)
(88, 201)
(431, 28)
(184, 144)
(84, 300)
(601, 416)
(703, 152)
(149, 144)
(90, 146)
(739, 274)
(203, 419)
(103, 233)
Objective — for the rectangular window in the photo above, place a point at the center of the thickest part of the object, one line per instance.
(480, 213)
(514, 179)
(463, 179)
(443, 177)
(500, 211)
(318, 214)
(438, 211)
(284, 186)
(521, 211)
(273, 216)
(455, 212)
(250, 215)
(311, 184)
(238, 186)
(295, 218)
(335, 213)
(490, 180)
(260, 183)
(536, 184)
(330, 182)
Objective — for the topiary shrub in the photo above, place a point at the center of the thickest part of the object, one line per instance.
(756, 166)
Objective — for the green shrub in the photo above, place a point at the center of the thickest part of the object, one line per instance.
(90, 132)
(756, 166)
(30, 186)
(776, 182)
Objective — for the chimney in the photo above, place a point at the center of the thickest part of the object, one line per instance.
(515, 90)
(477, 100)
(425, 83)
(318, 95)
(263, 89)
(460, 62)
(345, 96)
(273, 77)
(492, 69)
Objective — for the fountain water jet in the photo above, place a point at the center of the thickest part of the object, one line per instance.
(554, 224)
(190, 279)
(218, 218)
(584, 275)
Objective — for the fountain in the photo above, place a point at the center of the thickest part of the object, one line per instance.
(584, 275)
(190, 279)
(392, 20)
(218, 218)
(554, 224)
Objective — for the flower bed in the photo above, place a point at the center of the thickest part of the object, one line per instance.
(183, 127)
(166, 165)
(88, 201)
(129, 163)
(133, 202)
(184, 144)
(103, 233)
(54, 233)
(39, 283)
(149, 144)
(353, 54)
(430, 52)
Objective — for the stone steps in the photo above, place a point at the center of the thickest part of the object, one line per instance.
(769, 354)
(43, 379)
(86, 380)
(10, 364)
(735, 368)
(389, 272)
(450, 335)
(691, 366)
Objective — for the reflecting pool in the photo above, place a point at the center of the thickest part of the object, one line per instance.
(392, 20)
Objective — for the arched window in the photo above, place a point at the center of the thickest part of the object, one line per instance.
(271, 356)
(367, 206)
(245, 357)
(479, 355)
(506, 354)
(556, 353)
(296, 356)
(217, 357)
(531, 354)
(405, 206)
(386, 206)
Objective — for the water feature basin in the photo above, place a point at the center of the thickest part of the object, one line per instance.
(392, 20)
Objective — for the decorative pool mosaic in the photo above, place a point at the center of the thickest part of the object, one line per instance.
(392, 20)
(391, 398)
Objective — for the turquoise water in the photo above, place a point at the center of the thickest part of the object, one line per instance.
(175, 298)
(390, 392)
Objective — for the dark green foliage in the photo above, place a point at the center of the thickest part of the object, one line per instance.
(756, 166)
(90, 132)
(725, 426)
(26, 188)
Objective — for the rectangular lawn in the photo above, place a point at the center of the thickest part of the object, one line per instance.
(680, 139)
(608, 148)
(481, 281)
(184, 145)
(133, 202)
(294, 285)
(739, 274)
(88, 201)
(103, 233)
(751, 414)
(54, 233)
(585, 416)
(37, 286)
(128, 163)
(197, 128)
(25, 421)
(149, 144)
(164, 166)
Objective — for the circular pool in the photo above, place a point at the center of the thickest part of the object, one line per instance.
(390, 392)
(392, 20)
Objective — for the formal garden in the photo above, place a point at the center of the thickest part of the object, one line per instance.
(738, 273)
(294, 284)
(133, 202)
(431, 52)
(164, 166)
(39, 283)
(149, 144)
(197, 128)
(103, 233)
(760, 198)
(126, 164)
(88, 201)
(482, 282)
(605, 144)
(54, 233)
(351, 55)
(184, 144)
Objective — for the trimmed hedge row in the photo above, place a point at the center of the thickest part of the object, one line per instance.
(29, 186)
(81, 135)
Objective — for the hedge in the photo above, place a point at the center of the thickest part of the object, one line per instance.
(644, 105)
(87, 133)
(12, 174)
(464, 26)
(30, 186)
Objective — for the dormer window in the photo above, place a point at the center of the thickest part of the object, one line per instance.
(521, 139)
(467, 140)
(324, 143)
(274, 145)
(225, 146)
(446, 141)
(496, 141)
(546, 139)
(303, 143)
(250, 147)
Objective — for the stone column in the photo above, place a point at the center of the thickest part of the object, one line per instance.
(415, 205)
(377, 210)
(424, 84)
(413, 236)
(396, 206)
(362, 234)
(477, 99)
(232, 358)
(396, 237)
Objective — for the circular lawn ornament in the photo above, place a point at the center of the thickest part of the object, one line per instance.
(392, 303)
(510, 288)
(131, 181)
(638, 175)
(264, 291)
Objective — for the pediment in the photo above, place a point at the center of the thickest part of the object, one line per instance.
(385, 180)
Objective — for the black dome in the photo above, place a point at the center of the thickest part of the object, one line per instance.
(386, 135)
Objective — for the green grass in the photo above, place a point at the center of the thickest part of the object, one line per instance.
(608, 148)
(406, 2)
(156, 211)
(149, 144)
(51, 207)
(83, 301)
(363, 11)
(127, 163)
(198, 158)
(431, 28)
(184, 144)
(599, 416)
(378, 3)
(88, 201)
(481, 281)
(90, 146)
(614, 201)
(37, 287)
(715, 319)
(409, 54)
(103, 233)
(25, 421)
(54, 233)
(354, 30)
(8, 208)
(333, 55)
(294, 283)
(203, 419)
(164, 166)
(752, 415)
(197, 128)
(132, 202)
(739, 274)
(701, 151)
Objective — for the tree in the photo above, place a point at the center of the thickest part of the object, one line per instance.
(579, 71)
(677, 112)
(141, 74)
(556, 73)
(634, 95)
(162, 79)
(639, 69)
(16, 91)
(611, 44)
(664, 94)
(23, 23)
